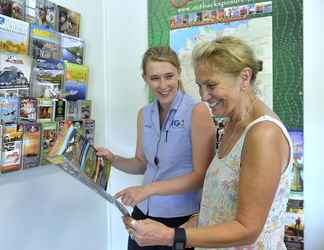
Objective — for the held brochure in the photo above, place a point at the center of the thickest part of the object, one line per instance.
(69, 168)
(73, 153)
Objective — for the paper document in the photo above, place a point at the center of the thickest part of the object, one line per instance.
(68, 167)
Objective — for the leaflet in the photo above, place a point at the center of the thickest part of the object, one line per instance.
(75, 172)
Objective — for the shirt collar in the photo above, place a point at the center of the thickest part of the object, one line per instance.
(175, 103)
(174, 107)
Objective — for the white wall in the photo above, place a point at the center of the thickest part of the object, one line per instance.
(125, 42)
(43, 208)
(314, 123)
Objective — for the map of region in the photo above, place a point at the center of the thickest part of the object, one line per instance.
(257, 32)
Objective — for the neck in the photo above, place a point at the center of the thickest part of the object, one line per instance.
(246, 110)
(164, 108)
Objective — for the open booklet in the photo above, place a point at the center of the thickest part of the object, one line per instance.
(73, 153)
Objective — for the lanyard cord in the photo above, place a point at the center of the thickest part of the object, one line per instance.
(167, 123)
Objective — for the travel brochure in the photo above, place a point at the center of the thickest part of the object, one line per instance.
(73, 153)
(75, 81)
(9, 108)
(294, 229)
(43, 90)
(69, 21)
(14, 70)
(13, 8)
(11, 147)
(73, 171)
(45, 43)
(14, 35)
(31, 145)
(72, 49)
(72, 145)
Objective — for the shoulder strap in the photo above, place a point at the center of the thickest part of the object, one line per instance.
(279, 124)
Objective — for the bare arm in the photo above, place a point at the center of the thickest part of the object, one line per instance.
(265, 154)
(135, 165)
(203, 136)
(202, 152)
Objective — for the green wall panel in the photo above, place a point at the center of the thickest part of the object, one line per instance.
(287, 48)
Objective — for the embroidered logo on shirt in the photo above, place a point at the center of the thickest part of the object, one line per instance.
(177, 124)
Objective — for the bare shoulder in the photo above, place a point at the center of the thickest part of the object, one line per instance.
(140, 117)
(201, 110)
(265, 132)
(140, 113)
(202, 119)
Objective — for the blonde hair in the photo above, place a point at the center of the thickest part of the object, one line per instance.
(227, 55)
(162, 54)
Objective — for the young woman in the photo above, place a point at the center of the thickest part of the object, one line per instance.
(175, 145)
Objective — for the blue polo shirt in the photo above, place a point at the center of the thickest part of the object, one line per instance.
(168, 151)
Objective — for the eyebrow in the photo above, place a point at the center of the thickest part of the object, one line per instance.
(163, 74)
(206, 82)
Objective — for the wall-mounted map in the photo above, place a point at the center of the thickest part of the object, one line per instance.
(256, 32)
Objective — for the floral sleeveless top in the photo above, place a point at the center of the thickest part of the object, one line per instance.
(220, 195)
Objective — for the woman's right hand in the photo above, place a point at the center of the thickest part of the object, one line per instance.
(131, 196)
(106, 153)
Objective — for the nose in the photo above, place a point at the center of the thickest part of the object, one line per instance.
(204, 95)
(163, 83)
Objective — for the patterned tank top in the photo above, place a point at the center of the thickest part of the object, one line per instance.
(220, 195)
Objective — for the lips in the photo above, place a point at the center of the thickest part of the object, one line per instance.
(215, 104)
(164, 93)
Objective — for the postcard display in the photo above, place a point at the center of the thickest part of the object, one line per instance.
(74, 153)
(294, 231)
(183, 24)
(43, 81)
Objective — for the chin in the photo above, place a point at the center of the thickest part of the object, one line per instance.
(166, 99)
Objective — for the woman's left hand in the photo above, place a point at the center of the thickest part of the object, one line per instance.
(133, 195)
(149, 233)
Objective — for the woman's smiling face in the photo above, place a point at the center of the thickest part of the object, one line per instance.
(220, 90)
(162, 77)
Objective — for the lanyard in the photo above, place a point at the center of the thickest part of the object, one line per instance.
(165, 127)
